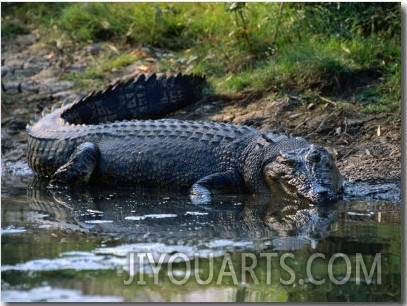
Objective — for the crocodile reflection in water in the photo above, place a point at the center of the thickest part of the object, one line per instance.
(150, 216)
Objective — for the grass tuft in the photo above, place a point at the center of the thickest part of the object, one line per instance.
(12, 28)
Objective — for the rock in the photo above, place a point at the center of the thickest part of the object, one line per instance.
(11, 87)
(15, 124)
(54, 85)
(93, 49)
(62, 95)
(25, 40)
(205, 108)
(5, 71)
(36, 64)
(30, 86)
(14, 62)
(76, 67)
(19, 111)
(150, 60)
(223, 118)
(25, 72)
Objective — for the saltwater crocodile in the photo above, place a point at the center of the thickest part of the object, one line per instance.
(109, 137)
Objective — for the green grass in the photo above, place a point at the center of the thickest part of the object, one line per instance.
(12, 28)
(274, 47)
(378, 99)
(95, 75)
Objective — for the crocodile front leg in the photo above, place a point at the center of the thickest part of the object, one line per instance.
(201, 191)
(79, 168)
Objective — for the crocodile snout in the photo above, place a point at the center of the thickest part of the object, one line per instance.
(323, 195)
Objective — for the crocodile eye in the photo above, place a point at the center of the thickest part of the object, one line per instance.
(314, 157)
(327, 163)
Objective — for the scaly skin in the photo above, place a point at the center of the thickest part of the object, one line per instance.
(78, 144)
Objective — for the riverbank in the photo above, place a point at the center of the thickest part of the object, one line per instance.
(367, 146)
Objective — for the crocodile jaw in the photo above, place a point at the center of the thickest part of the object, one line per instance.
(307, 173)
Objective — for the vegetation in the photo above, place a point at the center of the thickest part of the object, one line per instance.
(331, 49)
(98, 72)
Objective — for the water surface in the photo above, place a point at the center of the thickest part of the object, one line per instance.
(99, 244)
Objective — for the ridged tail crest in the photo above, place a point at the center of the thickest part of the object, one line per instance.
(144, 97)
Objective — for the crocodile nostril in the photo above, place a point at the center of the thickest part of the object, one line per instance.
(323, 193)
(325, 196)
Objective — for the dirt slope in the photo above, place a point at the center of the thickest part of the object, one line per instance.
(368, 147)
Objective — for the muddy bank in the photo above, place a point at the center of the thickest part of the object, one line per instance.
(367, 146)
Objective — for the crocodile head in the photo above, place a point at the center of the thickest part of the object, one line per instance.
(307, 173)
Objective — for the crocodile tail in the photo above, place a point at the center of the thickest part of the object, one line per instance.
(145, 97)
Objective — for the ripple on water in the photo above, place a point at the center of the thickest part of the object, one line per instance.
(367, 191)
(52, 294)
(75, 261)
(12, 230)
(152, 216)
(19, 168)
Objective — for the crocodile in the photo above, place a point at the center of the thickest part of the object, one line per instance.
(117, 136)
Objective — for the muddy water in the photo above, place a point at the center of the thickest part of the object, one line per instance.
(99, 244)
